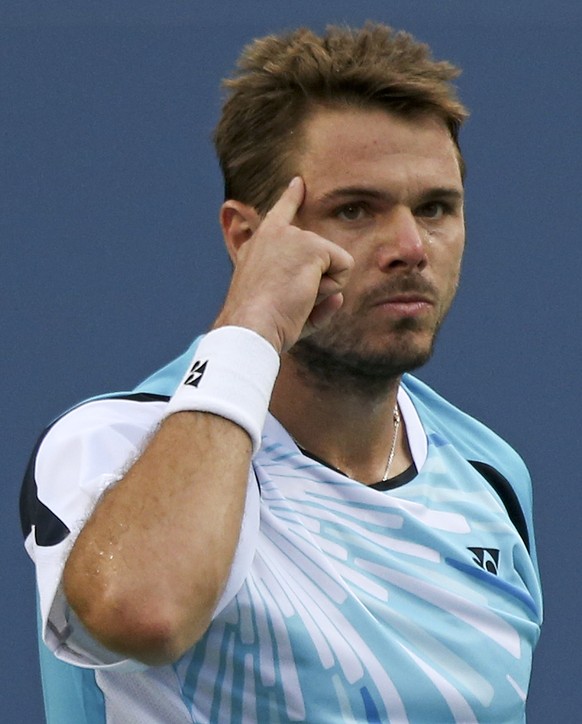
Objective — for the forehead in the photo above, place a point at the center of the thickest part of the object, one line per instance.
(354, 145)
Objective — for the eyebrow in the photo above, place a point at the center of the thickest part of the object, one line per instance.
(344, 191)
(443, 192)
(451, 193)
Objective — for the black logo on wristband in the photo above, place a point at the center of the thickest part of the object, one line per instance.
(196, 373)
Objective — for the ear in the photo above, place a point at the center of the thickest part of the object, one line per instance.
(238, 222)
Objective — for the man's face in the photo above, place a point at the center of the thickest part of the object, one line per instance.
(388, 190)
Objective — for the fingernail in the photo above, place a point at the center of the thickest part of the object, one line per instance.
(294, 181)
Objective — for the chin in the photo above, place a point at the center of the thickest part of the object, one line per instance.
(364, 356)
(365, 366)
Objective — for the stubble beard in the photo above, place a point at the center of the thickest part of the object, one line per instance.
(332, 358)
(348, 355)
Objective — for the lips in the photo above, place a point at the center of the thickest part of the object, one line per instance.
(403, 291)
(408, 307)
(404, 297)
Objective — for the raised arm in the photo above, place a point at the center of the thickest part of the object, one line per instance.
(149, 565)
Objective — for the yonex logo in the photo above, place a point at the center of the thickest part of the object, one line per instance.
(486, 558)
(196, 373)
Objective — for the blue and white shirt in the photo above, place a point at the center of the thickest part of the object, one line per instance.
(345, 603)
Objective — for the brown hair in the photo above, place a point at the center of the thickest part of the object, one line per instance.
(281, 79)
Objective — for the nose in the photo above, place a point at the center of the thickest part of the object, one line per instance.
(403, 242)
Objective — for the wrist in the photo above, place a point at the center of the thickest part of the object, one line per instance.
(243, 318)
(231, 375)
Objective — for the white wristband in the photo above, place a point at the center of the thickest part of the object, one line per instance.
(232, 375)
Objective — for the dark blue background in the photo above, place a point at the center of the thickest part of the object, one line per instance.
(111, 258)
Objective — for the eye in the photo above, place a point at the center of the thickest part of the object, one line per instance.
(351, 212)
(433, 210)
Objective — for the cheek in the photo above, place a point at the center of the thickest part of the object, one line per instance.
(447, 254)
(447, 269)
(458, 260)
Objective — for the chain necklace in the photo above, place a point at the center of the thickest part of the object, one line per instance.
(396, 420)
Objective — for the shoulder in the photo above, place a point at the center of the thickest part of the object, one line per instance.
(440, 416)
(446, 423)
(489, 454)
(84, 450)
(114, 420)
(124, 415)
(79, 455)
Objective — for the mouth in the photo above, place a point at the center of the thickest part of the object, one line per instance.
(405, 304)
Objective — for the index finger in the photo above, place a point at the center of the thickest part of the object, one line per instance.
(288, 204)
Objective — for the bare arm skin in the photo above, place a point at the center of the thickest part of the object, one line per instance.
(147, 569)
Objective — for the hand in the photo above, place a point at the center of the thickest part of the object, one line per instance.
(287, 281)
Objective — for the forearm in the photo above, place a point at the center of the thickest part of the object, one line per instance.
(148, 567)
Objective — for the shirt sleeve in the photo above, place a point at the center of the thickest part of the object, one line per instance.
(82, 454)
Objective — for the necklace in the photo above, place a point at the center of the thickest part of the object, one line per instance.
(396, 420)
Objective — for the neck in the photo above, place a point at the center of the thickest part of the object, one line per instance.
(349, 426)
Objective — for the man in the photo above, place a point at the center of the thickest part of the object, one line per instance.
(363, 550)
